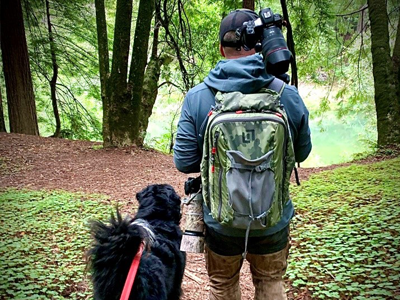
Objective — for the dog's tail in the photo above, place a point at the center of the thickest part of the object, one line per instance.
(119, 234)
(113, 249)
(149, 238)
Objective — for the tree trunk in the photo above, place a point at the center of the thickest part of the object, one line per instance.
(53, 81)
(2, 123)
(249, 4)
(119, 115)
(122, 97)
(151, 78)
(104, 64)
(139, 61)
(17, 73)
(385, 71)
(150, 86)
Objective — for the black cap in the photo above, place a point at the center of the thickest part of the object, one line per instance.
(233, 21)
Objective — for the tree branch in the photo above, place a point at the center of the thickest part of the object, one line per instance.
(170, 83)
(354, 12)
(122, 32)
(165, 22)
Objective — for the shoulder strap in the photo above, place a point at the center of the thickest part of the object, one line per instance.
(277, 85)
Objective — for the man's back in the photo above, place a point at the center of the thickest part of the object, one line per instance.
(246, 75)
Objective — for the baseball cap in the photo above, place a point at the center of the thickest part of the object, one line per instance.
(233, 21)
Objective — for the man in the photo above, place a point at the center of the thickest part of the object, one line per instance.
(242, 71)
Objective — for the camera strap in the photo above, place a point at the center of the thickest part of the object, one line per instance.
(277, 85)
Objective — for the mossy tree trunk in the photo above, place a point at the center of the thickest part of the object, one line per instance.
(151, 78)
(122, 95)
(17, 72)
(150, 86)
(386, 74)
(138, 65)
(118, 96)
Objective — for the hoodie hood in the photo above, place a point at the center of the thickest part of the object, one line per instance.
(245, 74)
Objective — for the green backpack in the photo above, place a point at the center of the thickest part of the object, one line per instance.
(247, 160)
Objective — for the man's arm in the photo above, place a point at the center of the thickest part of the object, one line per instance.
(298, 119)
(187, 156)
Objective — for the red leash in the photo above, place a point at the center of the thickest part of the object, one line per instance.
(132, 274)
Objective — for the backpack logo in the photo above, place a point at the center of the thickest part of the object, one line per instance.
(248, 136)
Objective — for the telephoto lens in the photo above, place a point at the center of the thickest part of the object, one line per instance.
(193, 235)
(275, 52)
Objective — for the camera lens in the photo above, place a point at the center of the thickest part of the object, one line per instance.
(276, 54)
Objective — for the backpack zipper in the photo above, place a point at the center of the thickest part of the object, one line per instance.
(271, 117)
(214, 152)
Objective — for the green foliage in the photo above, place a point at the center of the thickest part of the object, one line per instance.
(75, 44)
(332, 50)
(43, 239)
(204, 20)
(163, 121)
(346, 236)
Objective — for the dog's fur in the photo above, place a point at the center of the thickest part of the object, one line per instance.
(161, 267)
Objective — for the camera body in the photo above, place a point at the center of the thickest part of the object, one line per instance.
(265, 35)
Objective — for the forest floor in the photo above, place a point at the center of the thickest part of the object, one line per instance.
(30, 162)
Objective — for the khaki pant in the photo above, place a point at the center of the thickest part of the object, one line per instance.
(266, 270)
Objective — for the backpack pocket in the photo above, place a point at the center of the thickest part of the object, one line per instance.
(251, 189)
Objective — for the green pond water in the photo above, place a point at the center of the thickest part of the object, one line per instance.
(336, 141)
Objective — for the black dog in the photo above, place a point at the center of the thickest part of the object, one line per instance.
(162, 264)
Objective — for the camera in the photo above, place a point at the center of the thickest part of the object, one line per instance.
(265, 35)
(192, 185)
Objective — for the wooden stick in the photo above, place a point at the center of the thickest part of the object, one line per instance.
(190, 275)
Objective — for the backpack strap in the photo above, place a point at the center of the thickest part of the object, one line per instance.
(277, 85)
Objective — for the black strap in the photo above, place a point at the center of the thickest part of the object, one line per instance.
(277, 85)
(296, 174)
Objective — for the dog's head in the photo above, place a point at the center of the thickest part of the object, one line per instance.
(159, 201)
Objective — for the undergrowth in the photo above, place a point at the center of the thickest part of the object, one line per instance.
(346, 242)
(345, 238)
(43, 239)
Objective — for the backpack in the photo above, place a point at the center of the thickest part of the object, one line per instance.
(247, 159)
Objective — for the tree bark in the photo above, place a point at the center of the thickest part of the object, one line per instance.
(104, 64)
(53, 81)
(150, 84)
(385, 72)
(118, 97)
(17, 73)
(139, 61)
(122, 95)
(2, 122)
(249, 4)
